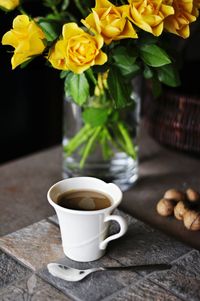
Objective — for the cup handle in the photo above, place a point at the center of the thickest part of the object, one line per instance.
(123, 228)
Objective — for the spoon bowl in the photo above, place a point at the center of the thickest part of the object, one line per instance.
(70, 274)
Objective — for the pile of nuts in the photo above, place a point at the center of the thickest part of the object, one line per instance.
(184, 206)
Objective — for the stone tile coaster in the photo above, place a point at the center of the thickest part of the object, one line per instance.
(183, 279)
(35, 245)
(10, 270)
(140, 245)
(32, 288)
(143, 290)
(143, 244)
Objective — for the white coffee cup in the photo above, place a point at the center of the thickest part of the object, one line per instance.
(84, 233)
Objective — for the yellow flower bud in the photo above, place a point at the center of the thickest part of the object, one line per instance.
(97, 91)
(9, 4)
(77, 50)
(26, 37)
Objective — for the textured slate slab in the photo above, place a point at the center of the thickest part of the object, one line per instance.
(143, 290)
(143, 244)
(10, 270)
(35, 245)
(32, 288)
(183, 279)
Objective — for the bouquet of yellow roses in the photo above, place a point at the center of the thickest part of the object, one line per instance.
(99, 48)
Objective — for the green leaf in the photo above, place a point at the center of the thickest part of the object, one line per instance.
(25, 64)
(49, 29)
(95, 116)
(80, 7)
(65, 4)
(125, 61)
(91, 76)
(169, 76)
(118, 90)
(76, 86)
(148, 73)
(154, 56)
(63, 73)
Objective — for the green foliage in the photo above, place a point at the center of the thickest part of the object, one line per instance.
(148, 72)
(65, 4)
(169, 75)
(154, 56)
(64, 73)
(125, 60)
(77, 87)
(89, 73)
(51, 28)
(119, 91)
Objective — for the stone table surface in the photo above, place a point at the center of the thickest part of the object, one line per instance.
(30, 236)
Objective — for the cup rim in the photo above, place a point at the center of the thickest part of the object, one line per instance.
(85, 212)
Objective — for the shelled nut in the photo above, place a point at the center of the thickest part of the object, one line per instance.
(191, 220)
(174, 194)
(192, 195)
(165, 207)
(180, 209)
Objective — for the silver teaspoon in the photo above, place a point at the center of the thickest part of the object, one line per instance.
(70, 274)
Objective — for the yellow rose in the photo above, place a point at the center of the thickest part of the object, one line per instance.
(196, 7)
(110, 21)
(149, 14)
(9, 4)
(183, 15)
(77, 50)
(26, 37)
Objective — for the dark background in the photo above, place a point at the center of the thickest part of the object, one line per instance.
(31, 98)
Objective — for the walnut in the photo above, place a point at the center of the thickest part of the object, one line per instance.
(192, 195)
(174, 194)
(191, 220)
(165, 207)
(180, 209)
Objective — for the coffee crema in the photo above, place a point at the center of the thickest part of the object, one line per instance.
(84, 200)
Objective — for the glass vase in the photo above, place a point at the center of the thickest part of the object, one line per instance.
(120, 168)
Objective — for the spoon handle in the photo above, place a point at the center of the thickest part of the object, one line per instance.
(159, 266)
